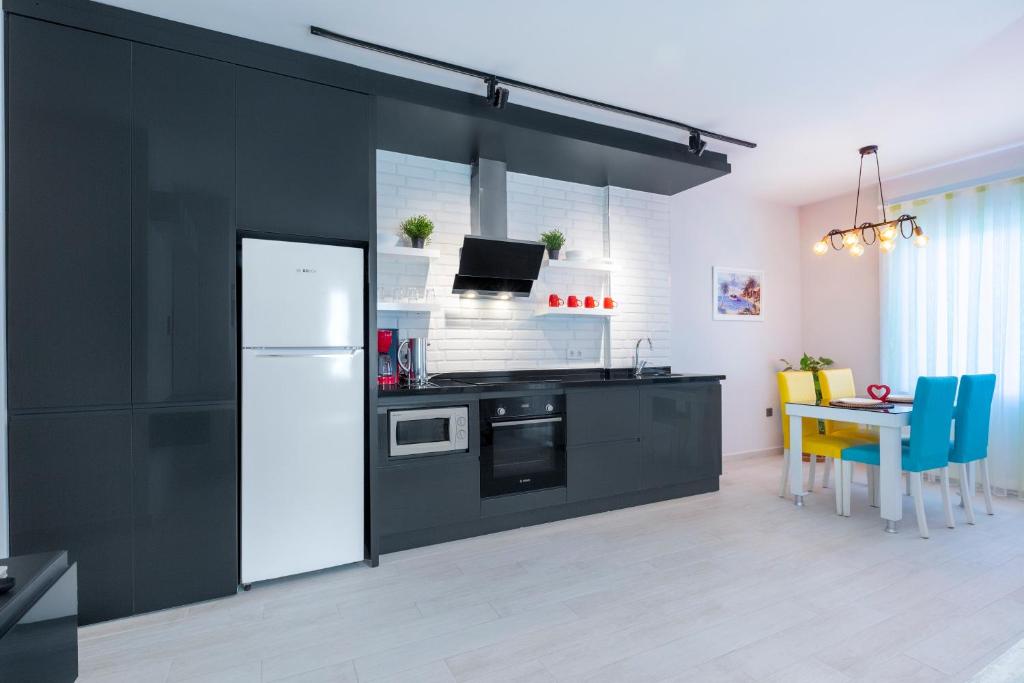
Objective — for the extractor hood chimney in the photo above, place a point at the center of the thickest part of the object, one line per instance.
(490, 264)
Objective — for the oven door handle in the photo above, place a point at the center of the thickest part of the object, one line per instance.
(534, 421)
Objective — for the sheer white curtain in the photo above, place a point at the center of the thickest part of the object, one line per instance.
(954, 307)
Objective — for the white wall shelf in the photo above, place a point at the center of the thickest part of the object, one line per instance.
(394, 251)
(407, 307)
(589, 264)
(546, 311)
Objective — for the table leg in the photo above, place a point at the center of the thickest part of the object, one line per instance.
(890, 452)
(796, 449)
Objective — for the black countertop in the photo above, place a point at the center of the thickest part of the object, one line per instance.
(33, 576)
(539, 380)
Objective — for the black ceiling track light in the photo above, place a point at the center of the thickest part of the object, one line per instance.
(497, 95)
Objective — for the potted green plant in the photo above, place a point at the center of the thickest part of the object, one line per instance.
(418, 229)
(553, 239)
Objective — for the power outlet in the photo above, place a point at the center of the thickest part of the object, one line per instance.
(768, 412)
(573, 354)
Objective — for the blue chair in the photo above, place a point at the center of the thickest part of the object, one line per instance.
(927, 450)
(970, 441)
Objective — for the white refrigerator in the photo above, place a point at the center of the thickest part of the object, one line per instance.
(303, 388)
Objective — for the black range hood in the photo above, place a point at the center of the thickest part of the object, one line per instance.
(490, 264)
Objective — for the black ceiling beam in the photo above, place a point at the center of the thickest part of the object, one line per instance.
(522, 85)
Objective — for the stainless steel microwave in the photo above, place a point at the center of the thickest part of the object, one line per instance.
(421, 431)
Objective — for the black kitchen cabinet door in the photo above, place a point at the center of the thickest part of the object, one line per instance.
(682, 433)
(603, 469)
(304, 157)
(71, 489)
(600, 415)
(185, 498)
(68, 230)
(183, 278)
(428, 492)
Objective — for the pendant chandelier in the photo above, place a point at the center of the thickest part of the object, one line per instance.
(867, 234)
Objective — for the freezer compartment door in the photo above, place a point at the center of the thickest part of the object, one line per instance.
(302, 462)
(296, 294)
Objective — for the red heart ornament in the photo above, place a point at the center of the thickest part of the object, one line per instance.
(879, 392)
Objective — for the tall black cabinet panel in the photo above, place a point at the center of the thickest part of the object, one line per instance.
(183, 228)
(303, 157)
(71, 489)
(68, 230)
(185, 505)
(682, 433)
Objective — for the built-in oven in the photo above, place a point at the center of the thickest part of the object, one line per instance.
(422, 431)
(522, 444)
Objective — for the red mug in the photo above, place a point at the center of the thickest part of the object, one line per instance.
(574, 301)
(554, 301)
(609, 302)
(590, 302)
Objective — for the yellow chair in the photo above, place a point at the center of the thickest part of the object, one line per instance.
(798, 387)
(838, 383)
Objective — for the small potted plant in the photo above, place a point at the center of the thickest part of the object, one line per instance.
(418, 229)
(553, 239)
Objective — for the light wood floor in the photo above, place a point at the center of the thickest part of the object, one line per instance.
(734, 586)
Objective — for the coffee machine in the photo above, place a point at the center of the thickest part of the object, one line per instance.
(387, 356)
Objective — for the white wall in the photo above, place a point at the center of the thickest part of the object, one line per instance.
(841, 293)
(715, 225)
(475, 335)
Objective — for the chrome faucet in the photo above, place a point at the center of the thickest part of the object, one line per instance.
(639, 365)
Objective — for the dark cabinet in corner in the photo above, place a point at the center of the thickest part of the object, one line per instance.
(304, 157)
(682, 432)
(183, 183)
(71, 489)
(68, 231)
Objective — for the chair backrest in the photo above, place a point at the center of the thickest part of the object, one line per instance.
(796, 386)
(973, 410)
(836, 383)
(930, 423)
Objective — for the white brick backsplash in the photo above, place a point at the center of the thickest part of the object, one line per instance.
(471, 335)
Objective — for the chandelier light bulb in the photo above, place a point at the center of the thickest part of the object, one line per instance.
(821, 248)
(850, 239)
(857, 249)
(888, 233)
(920, 239)
(887, 245)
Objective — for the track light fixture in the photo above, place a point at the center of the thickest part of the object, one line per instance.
(496, 95)
(696, 145)
(854, 239)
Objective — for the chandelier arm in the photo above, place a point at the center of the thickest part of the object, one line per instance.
(881, 194)
(856, 206)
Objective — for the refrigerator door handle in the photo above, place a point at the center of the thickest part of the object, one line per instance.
(307, 352)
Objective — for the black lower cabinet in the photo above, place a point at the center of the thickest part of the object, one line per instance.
(71, 489)
(603, 469)
(682, 433)
(185, 498)
(601, 415)
(428, 492)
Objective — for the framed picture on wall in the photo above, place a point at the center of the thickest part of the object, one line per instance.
(736, 294)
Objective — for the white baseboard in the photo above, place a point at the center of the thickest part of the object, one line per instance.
(746, 455)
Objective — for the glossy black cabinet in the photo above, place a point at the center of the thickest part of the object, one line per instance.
(604, 469)
(682, 433)
(428, 492)
(185, 500)
(68, 229)
(183, 277)
(71, 489)
(601, 414)
(303, 157)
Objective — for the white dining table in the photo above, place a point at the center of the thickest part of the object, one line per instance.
(890, 424)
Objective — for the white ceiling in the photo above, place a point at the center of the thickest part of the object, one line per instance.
(929, 81)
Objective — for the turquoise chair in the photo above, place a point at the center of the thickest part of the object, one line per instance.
(970, 441)
(927, 450)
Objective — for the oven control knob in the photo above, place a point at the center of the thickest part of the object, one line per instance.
(500, 411)
(461, 421)
(549, 407)
(461, 434)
